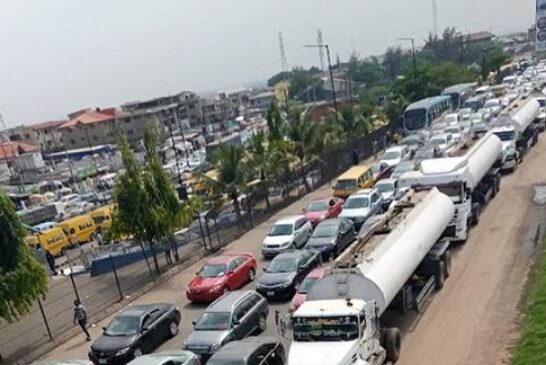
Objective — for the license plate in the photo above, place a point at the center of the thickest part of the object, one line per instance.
(103, 361)
(270, 293)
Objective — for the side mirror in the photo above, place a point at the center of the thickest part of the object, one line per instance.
(103, 329)
(193, 323)
(236, 322)
(230, 272)
(264, 268)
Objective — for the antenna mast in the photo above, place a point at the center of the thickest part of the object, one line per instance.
(284, 63)
(320, 44)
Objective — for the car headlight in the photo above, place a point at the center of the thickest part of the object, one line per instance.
(323, 217)
(215, 347)
(123, 351)
(216, 288)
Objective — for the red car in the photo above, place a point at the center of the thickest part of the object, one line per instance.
(381, 170)
(220, 275)
(301, 294)
(321, 209)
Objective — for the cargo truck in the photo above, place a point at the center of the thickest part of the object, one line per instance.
(397, 262)
(470, 180)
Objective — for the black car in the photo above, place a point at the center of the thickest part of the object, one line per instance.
(251, 351)
(427, 152)
(233, 316)
(332, 236)
(285, 271)
(135, 331)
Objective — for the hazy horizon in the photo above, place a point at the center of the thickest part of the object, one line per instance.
(60, 56)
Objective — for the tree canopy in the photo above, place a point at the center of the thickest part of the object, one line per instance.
(22, 278)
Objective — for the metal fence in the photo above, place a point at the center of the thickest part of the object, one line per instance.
(50, 320)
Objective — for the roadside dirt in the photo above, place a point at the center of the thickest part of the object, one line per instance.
(474, 318)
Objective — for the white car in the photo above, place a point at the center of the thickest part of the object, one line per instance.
(476, 118)
(451, 118)
(464, 113)
(286, 234)
(394, 155)
(387, 188)
(362, 205)
(494, 105)
(456, 131)
(443, 141)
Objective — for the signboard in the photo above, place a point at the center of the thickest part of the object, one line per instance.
(540, 38)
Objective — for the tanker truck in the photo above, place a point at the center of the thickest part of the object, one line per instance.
(396, 262)
(517, 132)
(470, 180)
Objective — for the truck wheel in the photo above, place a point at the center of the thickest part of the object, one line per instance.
(440, 275)
(447, 263)
(392, 341)
(476, 215)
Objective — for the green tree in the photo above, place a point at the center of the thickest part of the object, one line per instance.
(303, 134)
(22, 278)
(275, 123)
(393, 62)
(353, 123)
(492, 60)
(233, 173)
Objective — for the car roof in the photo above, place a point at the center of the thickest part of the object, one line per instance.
(224, 259)
(330, 222)
(140, 309)
(242, 349)
(163, 357)
(385, 181)
(395, 149)
(226, 302)
(289, 220)
(363, 192)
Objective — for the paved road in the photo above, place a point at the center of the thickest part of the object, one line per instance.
(466, 323)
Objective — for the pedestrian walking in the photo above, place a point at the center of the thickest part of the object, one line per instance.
(168, 257)
(356, 158)
(98, 237)
(80, 316)
(51, 262)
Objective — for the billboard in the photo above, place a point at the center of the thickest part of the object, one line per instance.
(540, 38)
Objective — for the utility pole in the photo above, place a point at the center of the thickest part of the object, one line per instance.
(90, 148)
(320, 43)
(434, 18)
(284, 63)
(413, 54)
(330, 71)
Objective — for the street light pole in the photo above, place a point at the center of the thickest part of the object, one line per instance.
(412, 53)
(329, 70)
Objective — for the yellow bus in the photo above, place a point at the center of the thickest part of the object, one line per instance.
(357, 177)
(52, 240)
(102, 217)
(82, 227)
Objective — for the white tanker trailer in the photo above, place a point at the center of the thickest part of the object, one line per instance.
(397, 260)
(470, 180)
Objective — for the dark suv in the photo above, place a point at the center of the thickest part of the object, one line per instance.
(251, 351)
(233, 316)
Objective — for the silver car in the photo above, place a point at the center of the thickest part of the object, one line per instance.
(233, 316)
(168, 358)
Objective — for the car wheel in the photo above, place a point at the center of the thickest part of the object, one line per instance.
(252, 275)
(137, 352)
(173, 328)
(262, 323)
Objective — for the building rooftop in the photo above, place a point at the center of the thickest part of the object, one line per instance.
(13, 149)
(48, 124)
(88, 117)
(479, 36)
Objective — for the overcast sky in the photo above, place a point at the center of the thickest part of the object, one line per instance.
(57, 56)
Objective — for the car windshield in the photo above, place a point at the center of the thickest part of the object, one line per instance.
(451, 118)
(346, 184)
(281, 265)
(385, 187)
(325, 230)
(415, 119)
(408, 141)
(213, 271)
(491, 104)
(306, 285)
(453, 130)
(357, 202)
(438, 140)
(404, 167)
(391, 155)
(213, 321)
(317, 207)
(123, 326)
(326, 328)
(505, 136)
(280, 230)
(424, 154)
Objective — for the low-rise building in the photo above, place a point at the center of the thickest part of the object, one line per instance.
(43, 135)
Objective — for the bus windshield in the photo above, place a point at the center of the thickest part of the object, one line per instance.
(344, 328)
(415, 119)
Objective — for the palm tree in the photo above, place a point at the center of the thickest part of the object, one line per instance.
(233, 173)
(302, 133)
(352, 123)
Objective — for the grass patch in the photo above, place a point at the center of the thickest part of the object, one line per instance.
(531, 348)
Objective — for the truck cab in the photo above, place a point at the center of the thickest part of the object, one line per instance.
(510, 156)
(336, 332)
